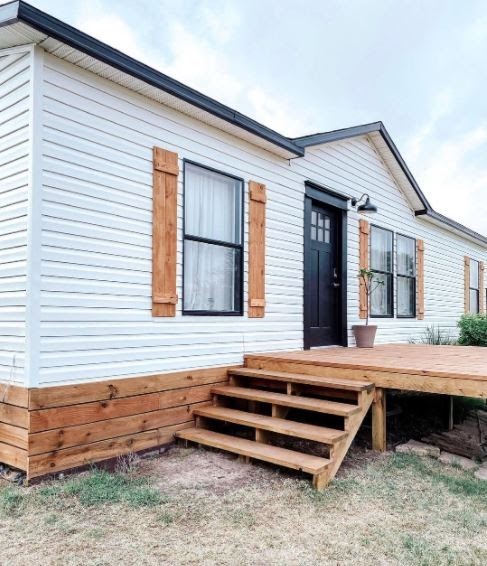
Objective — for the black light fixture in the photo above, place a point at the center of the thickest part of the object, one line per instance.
(367, 206)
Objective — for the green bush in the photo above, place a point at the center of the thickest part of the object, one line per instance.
(473, 330)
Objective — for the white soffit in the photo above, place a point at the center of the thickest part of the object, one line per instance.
(18, 33)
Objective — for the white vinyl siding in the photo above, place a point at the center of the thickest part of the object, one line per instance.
(96, 317)
(14, 182)
(96, 321)
(353, 167)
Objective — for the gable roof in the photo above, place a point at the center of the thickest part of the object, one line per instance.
(387, 149)
(24, 24)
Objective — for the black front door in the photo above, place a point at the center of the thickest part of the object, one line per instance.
(322, 275)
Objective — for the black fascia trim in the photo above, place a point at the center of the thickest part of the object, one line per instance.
(11, 12)
(392, 147)
(452, 223)
(336, 135)
(355, 131)
(77, 39)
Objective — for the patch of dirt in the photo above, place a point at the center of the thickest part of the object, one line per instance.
(199, 468)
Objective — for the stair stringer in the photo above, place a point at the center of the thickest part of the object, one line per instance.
(339, 451)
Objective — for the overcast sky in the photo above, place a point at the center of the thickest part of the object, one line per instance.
(316, 65)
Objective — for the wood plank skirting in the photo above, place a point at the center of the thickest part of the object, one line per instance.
(14, 424)
(50, 429)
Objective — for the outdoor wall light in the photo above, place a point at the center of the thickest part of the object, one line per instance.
(367, 206)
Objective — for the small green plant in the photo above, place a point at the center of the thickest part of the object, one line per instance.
(473, 330)
(371, 283)
(435, 336)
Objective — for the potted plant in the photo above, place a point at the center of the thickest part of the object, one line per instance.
(365, 334)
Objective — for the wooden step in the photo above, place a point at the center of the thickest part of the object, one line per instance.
(295, 401)
(273, 424)
(266, 452)
(325, 382)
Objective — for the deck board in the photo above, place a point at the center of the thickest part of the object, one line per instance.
(455, 370)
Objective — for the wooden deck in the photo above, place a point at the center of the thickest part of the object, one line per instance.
(450, 370)
(447, 370)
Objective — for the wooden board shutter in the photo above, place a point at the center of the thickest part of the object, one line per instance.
(364, 230)
(482, 287)
(257, 201)
(466, 284)
(420, 279)
(164, 232)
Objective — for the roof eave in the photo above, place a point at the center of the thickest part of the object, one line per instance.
(20, 11)
(453, 224)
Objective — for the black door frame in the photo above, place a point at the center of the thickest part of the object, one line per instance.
(322, 195)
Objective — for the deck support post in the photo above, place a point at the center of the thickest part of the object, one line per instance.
(379, 424)
(449, 417)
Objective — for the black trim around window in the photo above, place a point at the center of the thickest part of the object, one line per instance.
(476, 290)
(389, 274)
(239, 263)
(404, 276)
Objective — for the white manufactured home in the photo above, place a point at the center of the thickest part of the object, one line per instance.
(148, 232)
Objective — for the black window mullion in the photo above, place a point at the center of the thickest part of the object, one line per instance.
(221, 243)
(476, 289)
(237, 247)
(407, 276)
(388, 275)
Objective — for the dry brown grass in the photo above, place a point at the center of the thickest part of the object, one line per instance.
(211, 509)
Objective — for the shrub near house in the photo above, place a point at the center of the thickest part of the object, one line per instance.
(473, 330)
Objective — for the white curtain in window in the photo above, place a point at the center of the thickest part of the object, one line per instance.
(405, 296)
(212, 210)
(381, 250)
(379, 299)
(210, 205)
(381, 260)
(209, 277)
(405, 256)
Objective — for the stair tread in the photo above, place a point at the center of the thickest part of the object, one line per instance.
(266, 452)
(273, 424)
(282, 399)
(327, 382)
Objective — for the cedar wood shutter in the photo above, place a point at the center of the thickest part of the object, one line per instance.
(482, 287)
(420, 279)
(466, 283)
(364, 230)
(257, 202)
(164, 232)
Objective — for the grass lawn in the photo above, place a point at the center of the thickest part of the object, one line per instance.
(192, 506)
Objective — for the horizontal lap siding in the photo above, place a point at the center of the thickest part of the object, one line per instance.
(96, 317)
(354, 167)
(14, 164)
(96, 320)
(76, 425)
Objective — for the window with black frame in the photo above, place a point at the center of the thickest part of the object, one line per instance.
(381, 263)
(213, 242)
(474, 286)
(406, 276)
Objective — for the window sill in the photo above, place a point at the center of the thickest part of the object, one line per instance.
(212, 313)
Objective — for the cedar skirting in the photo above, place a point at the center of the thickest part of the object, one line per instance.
(50, 429)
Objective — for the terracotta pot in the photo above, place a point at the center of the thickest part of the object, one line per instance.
(364, 335)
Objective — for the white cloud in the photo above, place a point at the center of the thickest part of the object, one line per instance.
(95, 19)
(196, 56)
(453, 180)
